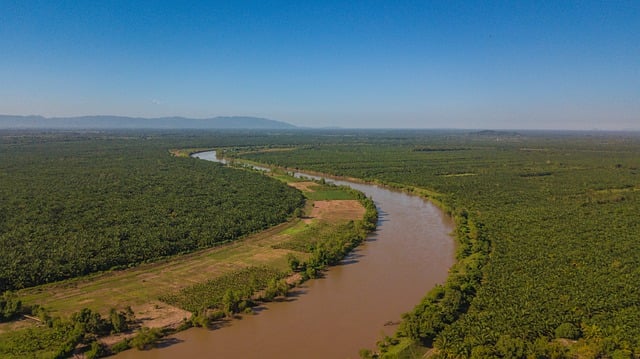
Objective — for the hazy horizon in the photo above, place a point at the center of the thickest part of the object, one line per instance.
(297, 127)
(364, 64)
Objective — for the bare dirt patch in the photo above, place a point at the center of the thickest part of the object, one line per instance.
(155, 314)
(17, 325)
(303, 186)
(337, 210)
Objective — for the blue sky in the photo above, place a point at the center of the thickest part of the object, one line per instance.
(410, 64)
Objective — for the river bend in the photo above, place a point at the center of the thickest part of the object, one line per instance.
(336, 316)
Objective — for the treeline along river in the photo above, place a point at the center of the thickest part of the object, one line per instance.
(353, 306)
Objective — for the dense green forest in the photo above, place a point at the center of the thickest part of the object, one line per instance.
(73, 204)
(549, 261)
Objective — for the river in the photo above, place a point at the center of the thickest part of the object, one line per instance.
(336, 316)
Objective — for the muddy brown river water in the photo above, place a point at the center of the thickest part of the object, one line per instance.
(336, 316)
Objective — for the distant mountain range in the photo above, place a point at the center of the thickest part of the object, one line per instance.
(121, 122)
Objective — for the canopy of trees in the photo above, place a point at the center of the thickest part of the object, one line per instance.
(72, 204)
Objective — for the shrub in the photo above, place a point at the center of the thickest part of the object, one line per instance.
(146, 338)
(120, 346)
(567, 331)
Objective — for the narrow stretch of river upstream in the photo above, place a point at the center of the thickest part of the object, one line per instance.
(336, 316)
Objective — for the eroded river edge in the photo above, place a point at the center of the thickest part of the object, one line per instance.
(334, 317)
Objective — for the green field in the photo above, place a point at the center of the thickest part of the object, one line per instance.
(324, 193)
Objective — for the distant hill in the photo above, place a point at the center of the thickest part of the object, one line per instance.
(121, 122)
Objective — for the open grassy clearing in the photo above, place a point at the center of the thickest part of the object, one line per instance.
(305, 186)
(324, 193)
(306, 236)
